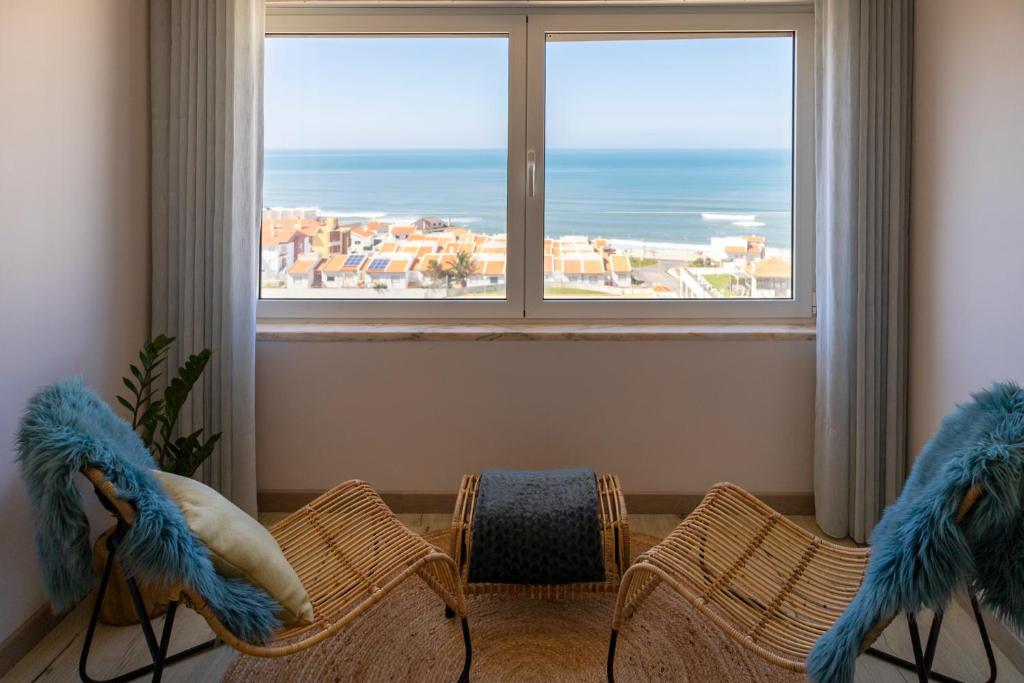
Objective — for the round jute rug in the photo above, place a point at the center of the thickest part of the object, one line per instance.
(405, 637)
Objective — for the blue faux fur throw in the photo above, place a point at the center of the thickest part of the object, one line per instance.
(919, 555)
(66, 426)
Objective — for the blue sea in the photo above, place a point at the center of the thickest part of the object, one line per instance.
(683, 196)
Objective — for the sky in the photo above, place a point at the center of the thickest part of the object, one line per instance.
(452, 93)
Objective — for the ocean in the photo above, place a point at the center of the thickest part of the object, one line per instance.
(683, 196)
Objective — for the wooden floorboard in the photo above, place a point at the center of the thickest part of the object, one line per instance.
(55, 658)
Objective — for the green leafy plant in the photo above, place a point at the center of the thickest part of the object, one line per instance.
(439, 275)
(463, 267)
(155, 418)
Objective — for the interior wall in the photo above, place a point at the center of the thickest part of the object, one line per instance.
(967, 261)
(669, 417)
(74, 187)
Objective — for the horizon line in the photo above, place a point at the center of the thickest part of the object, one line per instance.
(503, 149)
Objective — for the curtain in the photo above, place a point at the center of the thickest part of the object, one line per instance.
(863, 90)
(206, 80)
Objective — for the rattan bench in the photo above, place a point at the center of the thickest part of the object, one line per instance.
(614, 543)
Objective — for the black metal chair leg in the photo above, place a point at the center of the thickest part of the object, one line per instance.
(90, 630)
(165, 641)
(983, 631)
(611, 655)
(923, 660)
(915, 643)
(464, 677)
(158, 651)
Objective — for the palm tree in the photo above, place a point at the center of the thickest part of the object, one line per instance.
(439, 274)
(463, 267)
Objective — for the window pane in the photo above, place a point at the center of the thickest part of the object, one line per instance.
(385, 171)
(668, 167)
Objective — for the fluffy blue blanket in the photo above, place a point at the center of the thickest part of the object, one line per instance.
(67, 426)
(919, 555)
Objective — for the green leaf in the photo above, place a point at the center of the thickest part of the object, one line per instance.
(123, 401)
(131, 387)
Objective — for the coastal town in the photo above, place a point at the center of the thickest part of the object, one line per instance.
(307, 254)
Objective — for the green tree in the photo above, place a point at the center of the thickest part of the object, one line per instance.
(439, 274)
(463, 267)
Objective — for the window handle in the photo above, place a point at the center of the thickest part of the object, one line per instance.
(531, 172)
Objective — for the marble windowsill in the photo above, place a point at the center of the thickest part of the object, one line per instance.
(534, 331)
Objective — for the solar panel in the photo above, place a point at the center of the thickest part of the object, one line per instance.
(354, 260)
(379, 264)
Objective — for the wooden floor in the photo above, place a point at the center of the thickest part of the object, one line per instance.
(120, 648)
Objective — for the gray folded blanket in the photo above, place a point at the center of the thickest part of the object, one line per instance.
(536, 527)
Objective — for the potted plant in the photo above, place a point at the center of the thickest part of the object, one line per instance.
(155, 418)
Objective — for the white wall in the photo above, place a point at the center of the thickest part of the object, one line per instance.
(74, 201)
(670, 417)
(967, 241)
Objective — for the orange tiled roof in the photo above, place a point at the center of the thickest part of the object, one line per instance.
(619, 263)
(303, 266)
(399, 265)
(491, 267)
(333, 265)
(773, 267)
(280, 236)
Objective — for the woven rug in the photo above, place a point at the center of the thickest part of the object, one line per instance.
(405, 637)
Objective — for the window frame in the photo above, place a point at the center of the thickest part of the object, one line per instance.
(307, 22)
(526, 30)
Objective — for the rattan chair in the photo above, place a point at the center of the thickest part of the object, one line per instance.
(770, 585)
(349, 551)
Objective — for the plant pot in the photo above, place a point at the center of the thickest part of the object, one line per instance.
(117, 608)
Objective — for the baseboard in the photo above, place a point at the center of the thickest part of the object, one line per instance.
(273, 500)
(26, 637)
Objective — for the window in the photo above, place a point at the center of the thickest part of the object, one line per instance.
(583, 165)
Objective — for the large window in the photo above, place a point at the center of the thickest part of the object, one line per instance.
(578, 165)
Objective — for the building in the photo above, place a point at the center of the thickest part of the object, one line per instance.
(771, 278)
(362, 239)
(390, 272)
(619, 269)
(279, 247)
(431, 224)
(343, 270)
(303, 273)
(584, 268)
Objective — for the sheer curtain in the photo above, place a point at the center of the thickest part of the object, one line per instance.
(863, 79)
(206, 61)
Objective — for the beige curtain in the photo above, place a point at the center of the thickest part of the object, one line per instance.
(206, 61)
(863, 82)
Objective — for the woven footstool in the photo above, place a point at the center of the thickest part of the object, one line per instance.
(614, 542)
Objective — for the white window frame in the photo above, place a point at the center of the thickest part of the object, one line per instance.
(352, 22)
(526, 31)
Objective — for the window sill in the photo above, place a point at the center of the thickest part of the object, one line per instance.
(405, 332)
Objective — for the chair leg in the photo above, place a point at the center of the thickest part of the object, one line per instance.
(923, 660)
(464, 677)
(158, 651)
(611, 655)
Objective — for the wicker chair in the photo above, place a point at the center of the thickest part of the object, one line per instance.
(768, 584)
(349, 551)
